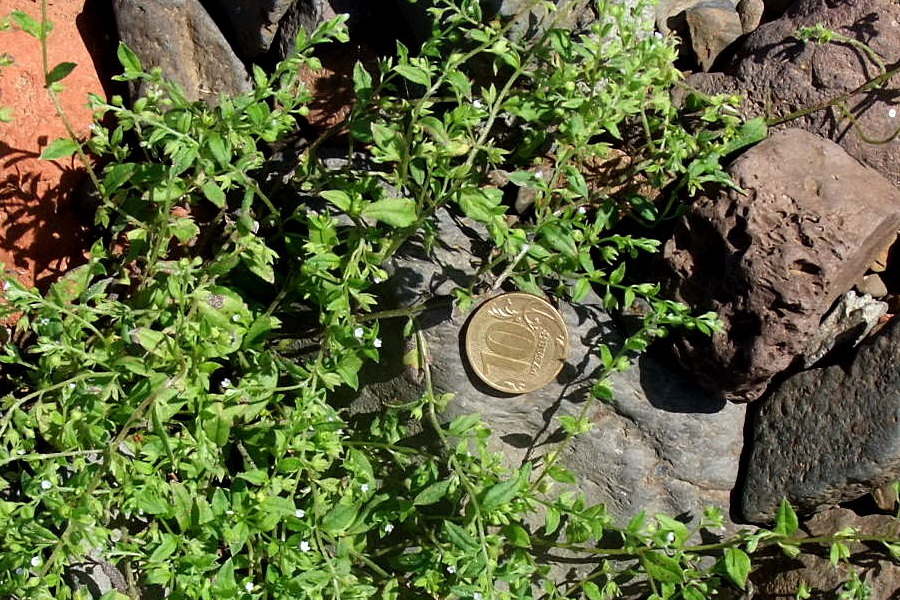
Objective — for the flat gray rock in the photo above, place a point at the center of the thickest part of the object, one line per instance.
(181, 38)
(772, 259)
(661, 445)
(828, 435)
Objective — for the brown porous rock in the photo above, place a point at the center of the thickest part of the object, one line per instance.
(773, 257)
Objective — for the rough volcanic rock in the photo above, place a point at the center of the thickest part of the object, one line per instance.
(41, 233)
(773, 68)
(180, 37)
(827, 435)
(772, 259)
(661, 444)
(255, 22)
(778, 577)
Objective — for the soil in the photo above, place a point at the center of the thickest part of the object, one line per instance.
(42, 234)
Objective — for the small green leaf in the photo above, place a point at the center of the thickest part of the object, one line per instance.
(128, 59)
(167, 546)
(435, 492)
(388, 142)
(214, 194)
(339, 519)
(499, 494)
(116, 176)
(216, 424)
(551, 520)
(219, 149)
(362, 82)
(592, 591)
(789, 549)
(751, 132)
(414, 74)
(662, 567)
(149, 339)
(559, 239)
(459, 537)
(581, 289)
(462, 424)
(339, 198)
(737, 566)
(562, 474)
(60, 148)
(839, 551)
(27, 24)
(677, 528)
(517, 536)
(397, 212)
(786, 522)
(59, 72)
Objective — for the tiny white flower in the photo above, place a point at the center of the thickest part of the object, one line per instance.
(537, 175)
(477, 103)
(20, 452)
(892, 113)
(44, 321)
(358, 333)
(226, 383)
(46, 485)
(5, 285)
(306, 490)
(377, 343)
(235, 318)
(72, 386)
(451, 569)
(248, 586)
(476, 596)
(20, 571)
(364, 488)
(582, 210)
(330, 419)
(670, 537)
(299, 513)
(304, 546)
(36, 561)
(377, 279)
(140, 512)
(389, 527)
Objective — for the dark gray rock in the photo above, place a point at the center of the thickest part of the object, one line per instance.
(773, 68)
(827, 435)
(255, 22)
(181, 38)
(305, 15)
(772, 259)
(661, 445)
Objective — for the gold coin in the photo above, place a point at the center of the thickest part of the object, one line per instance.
(516, 342)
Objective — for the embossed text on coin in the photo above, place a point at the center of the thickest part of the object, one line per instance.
(516, 342)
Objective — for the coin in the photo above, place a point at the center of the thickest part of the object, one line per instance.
(516, 342)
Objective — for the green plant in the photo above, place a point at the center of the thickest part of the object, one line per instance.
(158, 415)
